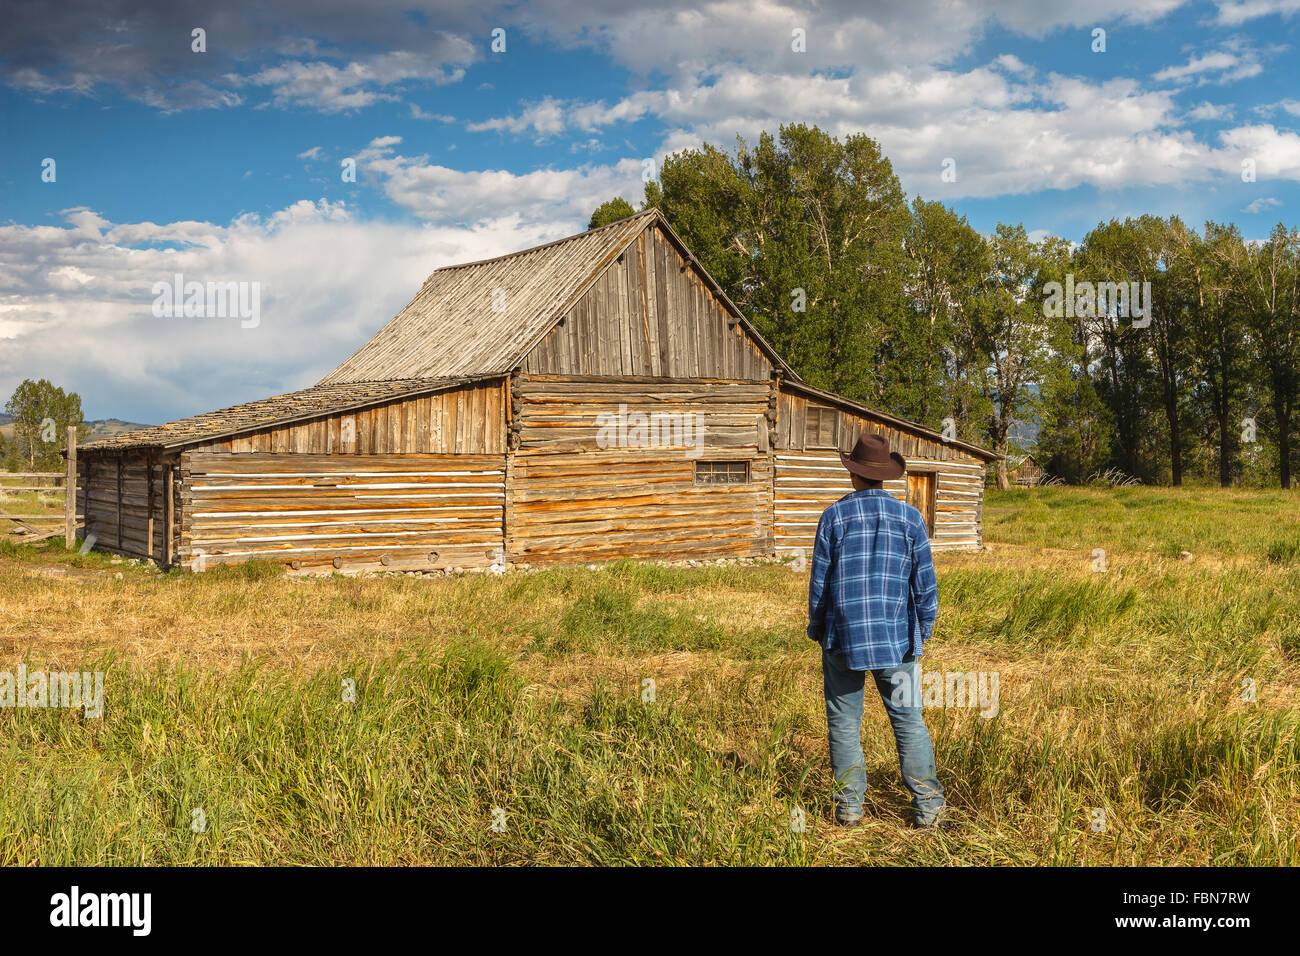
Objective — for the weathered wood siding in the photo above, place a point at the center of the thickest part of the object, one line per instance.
(808, 479)
(469, 420)
(396, 511)
(807, 483)
(792, 417)
(123, 498)
(577, 494)
(650, 314)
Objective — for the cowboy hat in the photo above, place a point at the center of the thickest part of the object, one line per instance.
(872, 459)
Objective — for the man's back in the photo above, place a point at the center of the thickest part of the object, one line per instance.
(872, 595)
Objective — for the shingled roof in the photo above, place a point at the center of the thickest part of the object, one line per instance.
(484, 317)
(277, 410)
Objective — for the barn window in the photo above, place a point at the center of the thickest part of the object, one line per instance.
(721, 472)
(821, 427)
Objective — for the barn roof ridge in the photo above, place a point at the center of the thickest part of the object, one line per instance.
(646, 214)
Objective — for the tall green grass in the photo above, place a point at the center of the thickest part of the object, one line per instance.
(285, 770)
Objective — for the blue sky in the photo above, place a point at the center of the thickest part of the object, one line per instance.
(224, 165)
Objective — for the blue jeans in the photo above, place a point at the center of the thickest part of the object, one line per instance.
(844, 690)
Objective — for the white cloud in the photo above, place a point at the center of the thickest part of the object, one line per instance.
(1259, 205)
(75, 300)
(1221, 67)
(144, 50)
(1010, 132)
(1209, 111)
(440, 193)
(552, 117)
(1276, 152)
(417, 113)
(1236, 12)
(313, 153)
(359, 83)
(676, 36)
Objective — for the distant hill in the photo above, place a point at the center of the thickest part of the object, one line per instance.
(99, 428)
(104, 427)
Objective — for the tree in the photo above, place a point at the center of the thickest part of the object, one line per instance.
(1117, 253)
(1267, 278)
(805, 234)
(1214, 327)
(42, 413)
(946, 260)
(1013, 337)
(611, 210)
(1076, 429)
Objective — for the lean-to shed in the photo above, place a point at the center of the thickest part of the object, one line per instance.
(592, 398)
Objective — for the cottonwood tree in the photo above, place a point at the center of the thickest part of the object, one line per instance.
(1151, 251)
(1013, 337)
(42, 413)
(1111, 253)
(1076, 428)
(610, 211)
(805, 234)
(1216, 333)
(1267, 279)
(927, 375)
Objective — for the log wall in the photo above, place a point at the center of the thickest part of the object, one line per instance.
(807, 483)
(346, 511)
(809, 479)
(792, 417)
(578, 493)
(124, 502)
(469, 420)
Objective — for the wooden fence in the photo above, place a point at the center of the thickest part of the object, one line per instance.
(37, 527)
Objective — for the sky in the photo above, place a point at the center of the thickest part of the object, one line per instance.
(133, 149)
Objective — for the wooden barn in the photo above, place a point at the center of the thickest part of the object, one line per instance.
(1025, 471)
(593, 398)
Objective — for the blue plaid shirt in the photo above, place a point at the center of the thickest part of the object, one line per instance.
(872, 596)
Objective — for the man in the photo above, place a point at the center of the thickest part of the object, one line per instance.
(872, 601)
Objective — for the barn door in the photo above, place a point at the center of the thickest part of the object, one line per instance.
(920, 495)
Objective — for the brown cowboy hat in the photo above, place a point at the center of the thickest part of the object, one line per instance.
(873, 460)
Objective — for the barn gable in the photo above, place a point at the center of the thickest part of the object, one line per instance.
(654, 312)
(488, 317)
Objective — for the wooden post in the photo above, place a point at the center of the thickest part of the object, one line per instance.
(70, 491)
(149, 479)
(118, 543)
(171, 514)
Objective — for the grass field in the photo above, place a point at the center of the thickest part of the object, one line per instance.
(27, 502)
(1120, 692)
